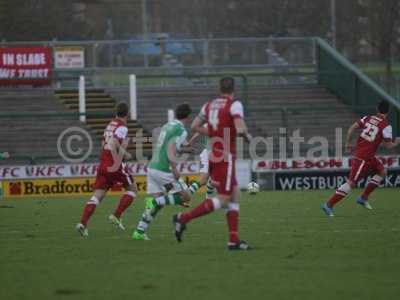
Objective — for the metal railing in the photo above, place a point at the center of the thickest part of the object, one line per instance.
(177, 53)
(109, 63)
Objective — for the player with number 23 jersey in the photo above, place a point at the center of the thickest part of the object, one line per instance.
(375, 130)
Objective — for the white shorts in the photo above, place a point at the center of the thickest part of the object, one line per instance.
(204, 162)
(156, 181)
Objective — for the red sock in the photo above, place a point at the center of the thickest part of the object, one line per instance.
(340, 193)
(87, 212)
(124, 203)
(371, 186)
(232, 216)
(369, 189)
(89, 209)
(336, 197)
(202, 209)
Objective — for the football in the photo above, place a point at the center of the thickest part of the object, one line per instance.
(253, 188)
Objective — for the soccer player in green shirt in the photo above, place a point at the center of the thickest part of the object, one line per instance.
(163, 178)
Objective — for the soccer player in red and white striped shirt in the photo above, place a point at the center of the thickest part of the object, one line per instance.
(225, 121)
(112, 171)
(375, 130)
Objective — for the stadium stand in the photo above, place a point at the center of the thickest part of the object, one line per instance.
(311, 109)
(99, 108)
(31, 121)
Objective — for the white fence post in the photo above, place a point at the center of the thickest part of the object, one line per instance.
(171, 115)
(133, 97)
(82, 99)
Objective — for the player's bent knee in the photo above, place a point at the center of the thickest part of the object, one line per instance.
(236, 195)
(345, 188)
(351, 184)
(94, 200)
(130, 193)
(224, 200)
(99, 194)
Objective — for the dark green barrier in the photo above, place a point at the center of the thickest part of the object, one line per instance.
(348, 82)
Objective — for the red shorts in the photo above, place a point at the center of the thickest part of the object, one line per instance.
(106, 180)
(223, 176)
(362, 168)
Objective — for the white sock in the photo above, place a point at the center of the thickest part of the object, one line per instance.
(216, 203)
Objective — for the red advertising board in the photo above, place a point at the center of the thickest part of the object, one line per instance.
(321, 164)
(25, 65)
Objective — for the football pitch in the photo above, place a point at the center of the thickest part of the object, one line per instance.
(299, 253)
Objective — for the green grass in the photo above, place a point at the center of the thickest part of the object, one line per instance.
(300, 254)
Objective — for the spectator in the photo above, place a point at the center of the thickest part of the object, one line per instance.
(4, 155)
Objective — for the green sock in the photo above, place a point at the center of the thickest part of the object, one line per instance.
(170, 199)
(177, 198)
(147, 216)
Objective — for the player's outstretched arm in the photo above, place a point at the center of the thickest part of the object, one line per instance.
(390, 145)
(198, 126)
(120, 149)
(350, 132)
(193, 138)
(196, 135)
(186, 148)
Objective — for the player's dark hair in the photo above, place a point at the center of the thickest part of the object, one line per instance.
(122, 109)
(183, 111)
(383, 107)
(227, 85)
